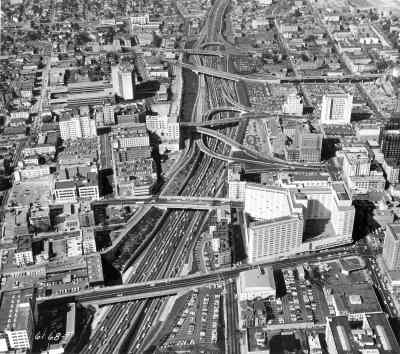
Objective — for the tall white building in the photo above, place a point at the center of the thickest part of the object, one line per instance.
(168, 132)
(293, 105)
(88, 127)
(356, 161)
(262, 202)
(72, 128)
(108, 114)
(123, 81)
(279, 229)
(336, 108)
(273, 238)
(357, 172)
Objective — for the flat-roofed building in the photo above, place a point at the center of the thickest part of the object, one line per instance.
(65, 191)
(274, 238)
(372, 335)
(336, 108)
(17, 319)
(23, 254)
(391, 247)
(256, 283)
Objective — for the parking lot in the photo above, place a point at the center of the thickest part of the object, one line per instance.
(195, 321)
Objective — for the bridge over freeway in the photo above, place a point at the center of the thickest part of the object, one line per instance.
(171, 286)
(174, 202)
(238, 146)
(212, 123)
(269, 79)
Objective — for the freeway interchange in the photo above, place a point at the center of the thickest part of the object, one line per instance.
(127, 324)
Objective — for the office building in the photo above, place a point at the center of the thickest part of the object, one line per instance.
(23, 254)
(293, 105)
(108, 115)
(358, 173)
(391, 166)
(75, 127)
(65, 191)
(305, 146)
(123, 81)
(236, 190)
(389, 139)
(356, 161)
(17, 318)
(336, 108)
(391, 247)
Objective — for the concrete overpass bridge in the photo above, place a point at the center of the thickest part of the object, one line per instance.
(263, 79)
(165, 287)
(212, 123)
(173, 202)
(207, 115)
(204, 52)
(239, 147)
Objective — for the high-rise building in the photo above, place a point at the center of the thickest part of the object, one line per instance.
(123, 81)
(356, 161)
(279, 228)
(391, 247)
(75, 127)
(275, 237)
(336, 108)
(360, 176)
(108, 114)
(293, 105)
(70, 128)
(389, 139)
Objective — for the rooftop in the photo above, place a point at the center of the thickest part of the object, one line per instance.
(15, 309)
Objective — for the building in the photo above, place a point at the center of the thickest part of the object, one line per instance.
(236, 190)
(75, 127)
(372, 335)
(274, 238)
(88, 240)
(358, 173)
(336, 108)
(256, 283)
(293, 105)
(267, 202)
(356, 161)
(23, 254)
(391, 166)
(389, 139)
(123, 81)
(302, 144)
(65, 191)
(391, 247)
(17, 318)
(108, 115)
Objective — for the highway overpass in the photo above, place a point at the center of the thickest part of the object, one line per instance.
(237, 146)
(263, 79)
(171, 286)
(173, 202)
